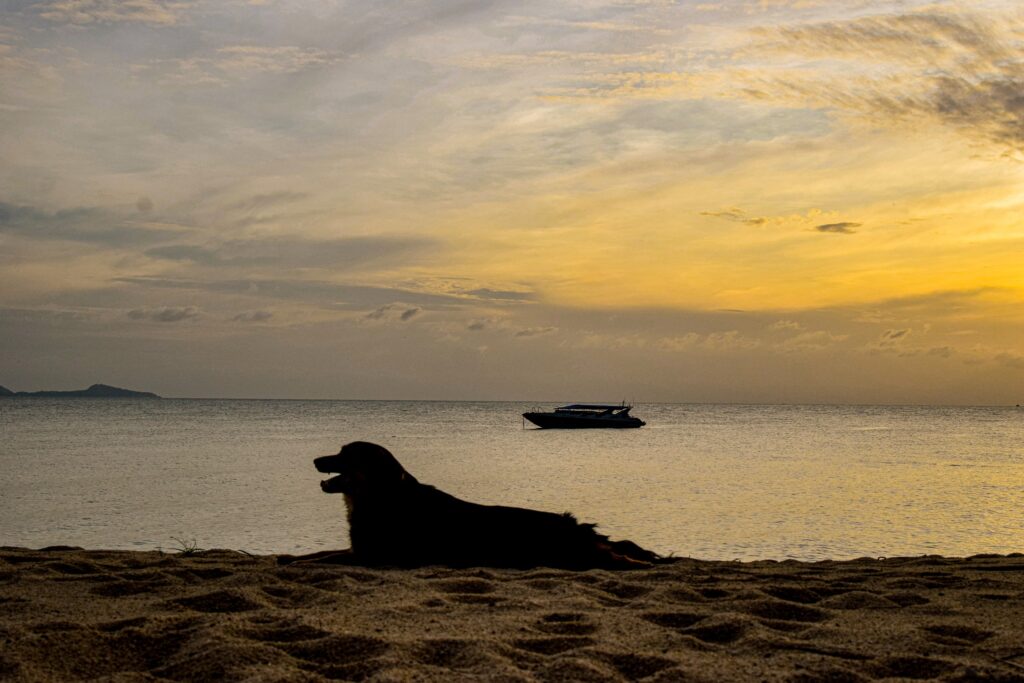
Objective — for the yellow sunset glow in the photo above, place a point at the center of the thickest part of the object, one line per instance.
(729, 187)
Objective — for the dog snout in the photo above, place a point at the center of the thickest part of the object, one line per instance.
(327, 464)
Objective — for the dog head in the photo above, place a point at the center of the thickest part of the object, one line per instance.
(361, 468)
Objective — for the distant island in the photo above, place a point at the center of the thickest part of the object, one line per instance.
(95, 391)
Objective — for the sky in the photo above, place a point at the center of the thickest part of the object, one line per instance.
(744, 201)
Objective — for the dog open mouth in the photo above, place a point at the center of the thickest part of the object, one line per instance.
(330, 464)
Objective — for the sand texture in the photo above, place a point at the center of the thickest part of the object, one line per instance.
(223, 615)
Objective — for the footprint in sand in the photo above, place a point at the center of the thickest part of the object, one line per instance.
(219, 601)
(553, 645)
(956, 634)
(804, 596)
(715, 629)
(920, 668)
(906, 599)
(119, 589)
(783, 610)
(559, 669)
(340, 656)
(857, 600)
(673, 620)
(447, 653)
(291, 596)
(635, 667)
(566, 624)
(624, 590)
(470, 591)
(721, 629)
(281, 630)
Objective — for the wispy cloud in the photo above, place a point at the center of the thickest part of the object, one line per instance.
(296, 251)
(958, 69)
(843, 228)
(313, 292)
(534, 331)
(157, 12)
(737, 215)
(85, 224)
(165, 314)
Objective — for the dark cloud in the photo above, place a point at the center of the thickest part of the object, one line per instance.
(165, 314)
(892, 341)
(295, 251)
(535, 331)
(84, 224)
(253, 317)
(388, 312)
(893, 335)
(845, 228)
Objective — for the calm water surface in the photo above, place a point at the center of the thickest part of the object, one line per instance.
(713, 482)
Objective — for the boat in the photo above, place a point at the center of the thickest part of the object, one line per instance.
(586, 416)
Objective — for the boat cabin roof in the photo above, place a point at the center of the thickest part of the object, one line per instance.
(593, 406)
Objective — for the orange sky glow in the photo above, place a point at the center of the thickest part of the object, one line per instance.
(738, 201)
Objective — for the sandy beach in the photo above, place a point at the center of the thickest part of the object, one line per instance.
(68, 614)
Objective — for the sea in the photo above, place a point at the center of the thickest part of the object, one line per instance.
(716, 482)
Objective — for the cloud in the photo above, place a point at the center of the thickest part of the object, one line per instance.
(82, 12)
(893, 341)
(270, 59)
(503, 295)
(1010, 359)
(391, 311)
(326, 294)
(296, 251)
(234, 64)
(476, 326)
(165, 314)
(811, 341)
(891, 336)
(267, 200)
(253, 317)
(962, 70)
(736, 215)
(730, 340)
(83, 224)
(845, 228)
(534, 331)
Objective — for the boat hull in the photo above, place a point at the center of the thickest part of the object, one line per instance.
(552, 421)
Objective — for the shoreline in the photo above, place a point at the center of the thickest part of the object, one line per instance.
(73, 614)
